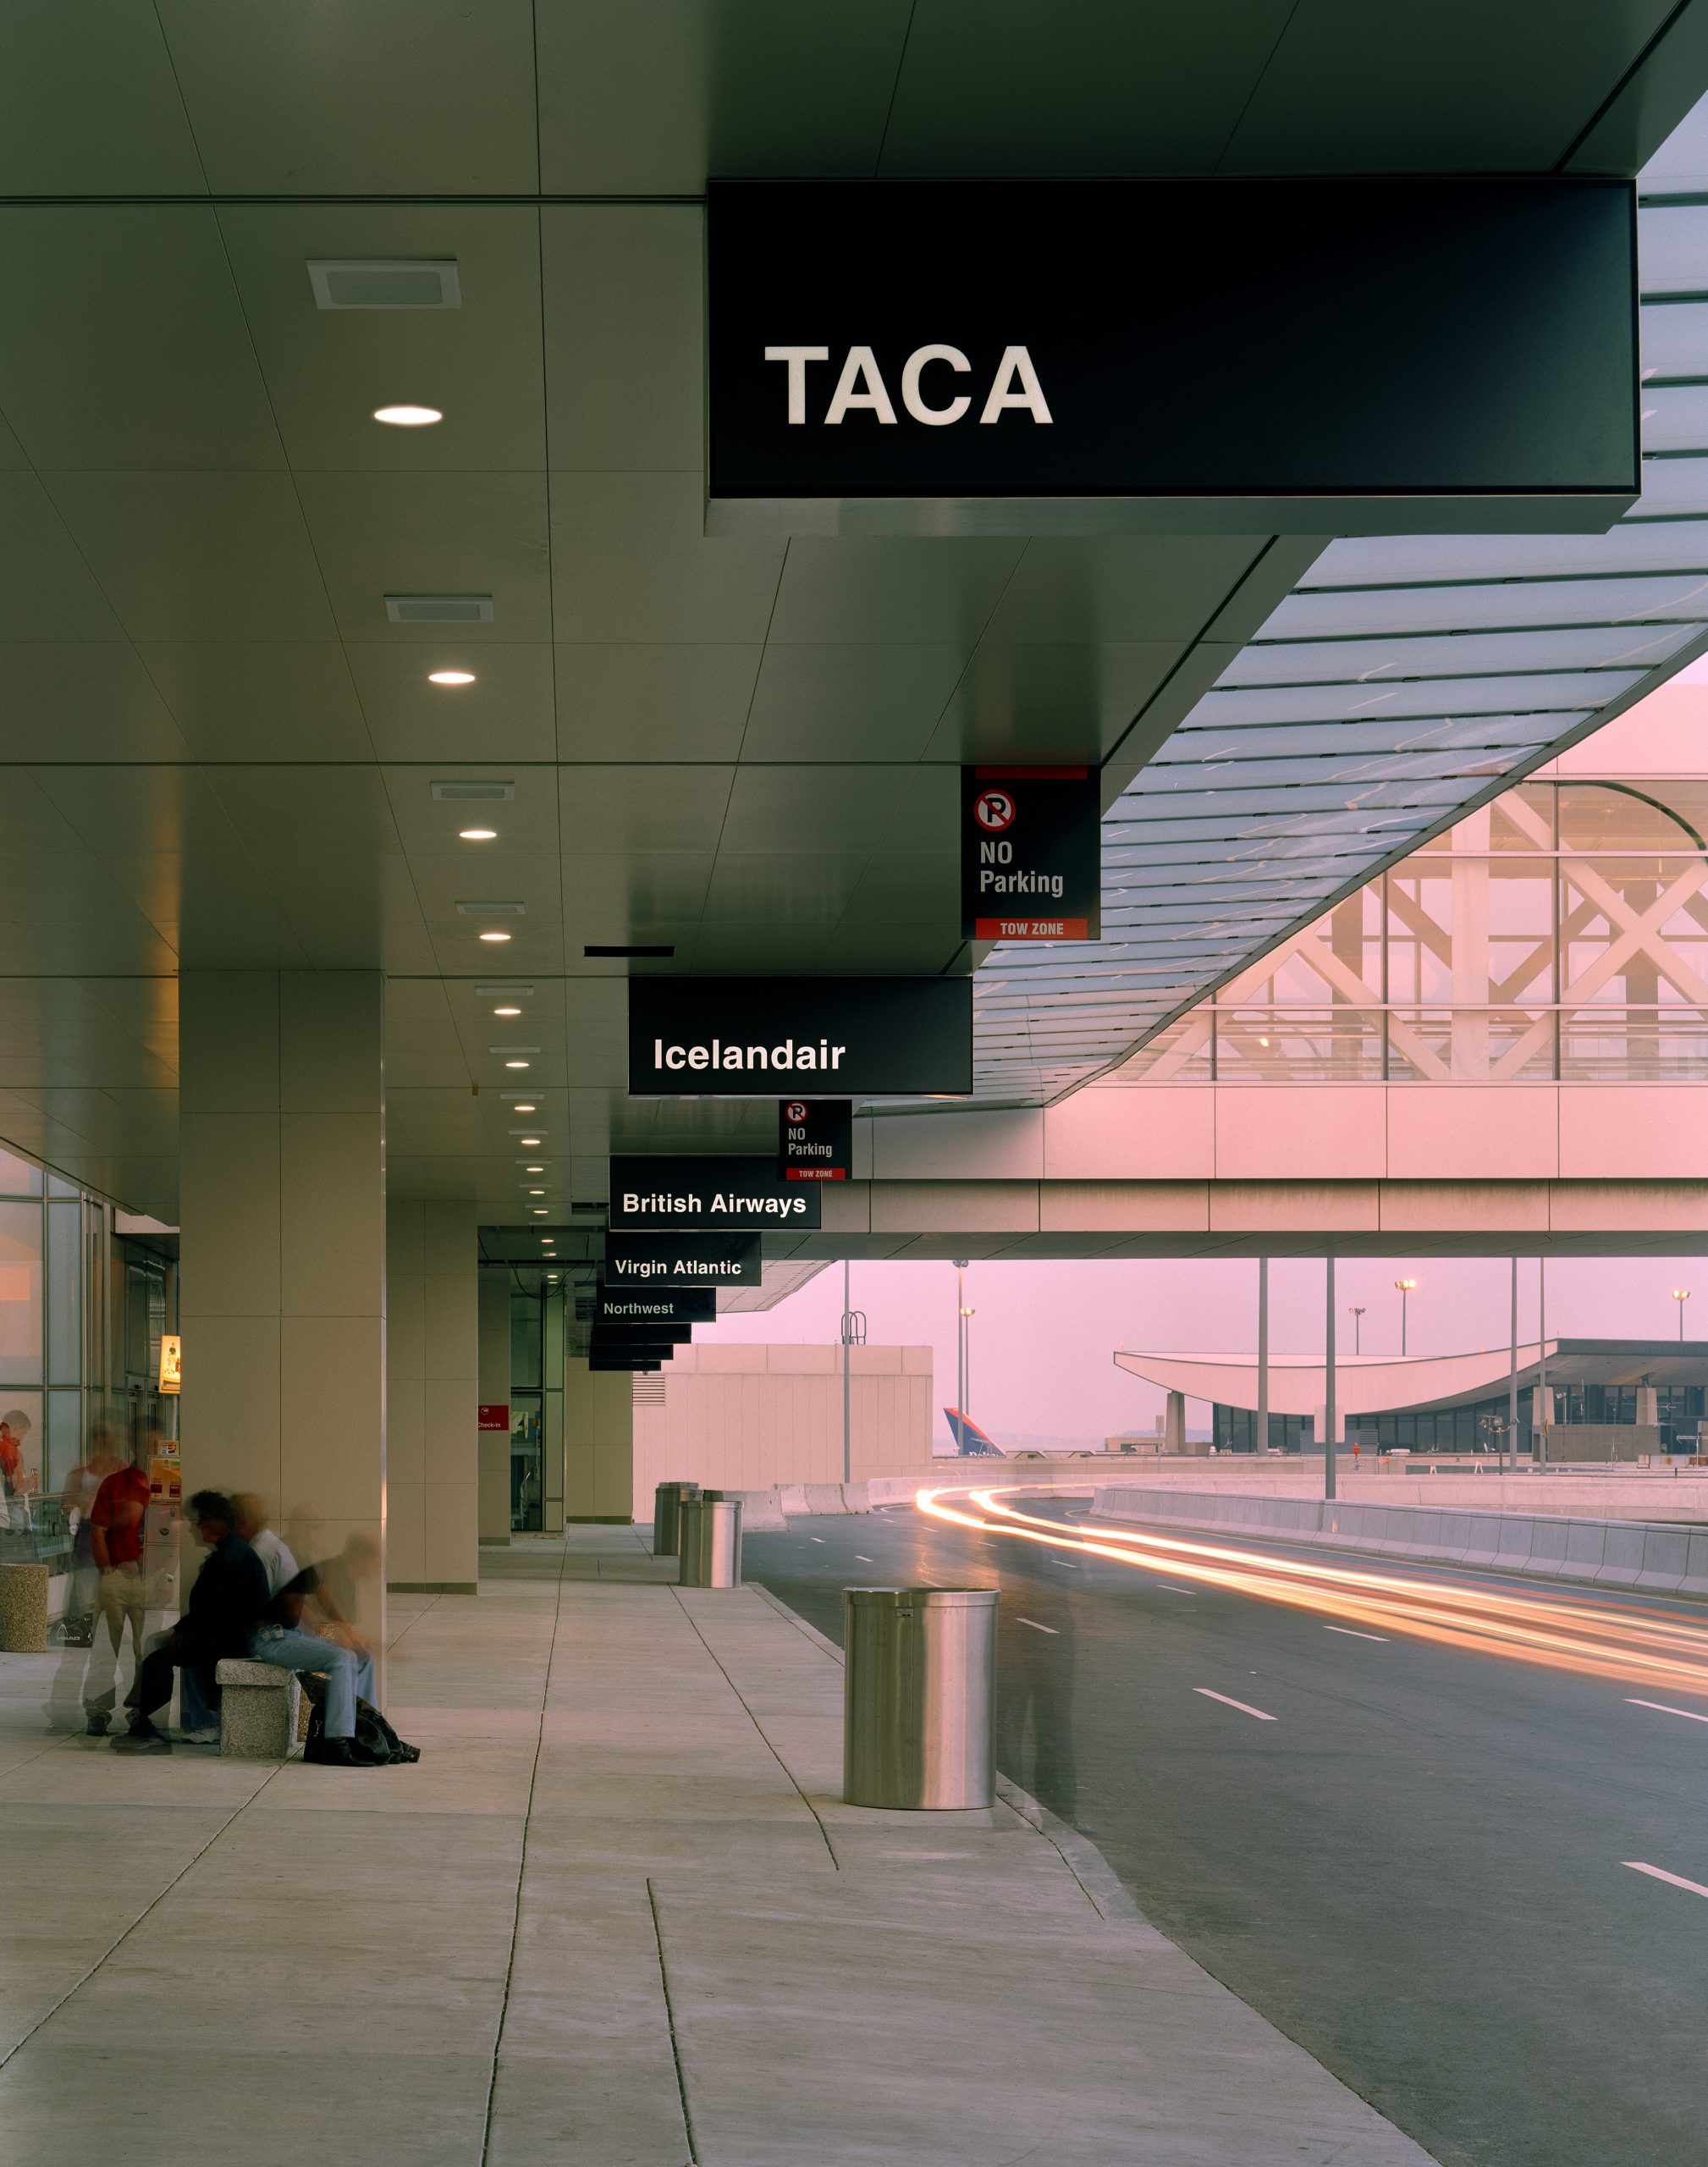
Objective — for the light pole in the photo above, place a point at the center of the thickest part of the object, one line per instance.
(1681, 1295)
(1406, 1287)
(961, 1348)
(1355, 1310)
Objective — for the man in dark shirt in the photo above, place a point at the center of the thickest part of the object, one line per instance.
(226, 1605)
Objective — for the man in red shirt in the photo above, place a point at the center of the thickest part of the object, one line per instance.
(116, 1536)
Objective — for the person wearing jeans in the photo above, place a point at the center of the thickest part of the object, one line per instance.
(279, 1639)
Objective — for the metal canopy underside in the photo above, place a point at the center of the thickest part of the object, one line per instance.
(1404, 680)
(218, 748)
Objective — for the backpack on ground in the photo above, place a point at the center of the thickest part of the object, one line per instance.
(374, 1743)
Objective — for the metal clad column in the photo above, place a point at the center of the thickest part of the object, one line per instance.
(919, 1697)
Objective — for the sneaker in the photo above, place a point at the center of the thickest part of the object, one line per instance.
(141, 1738)
(98, 1724)
(199, 1737)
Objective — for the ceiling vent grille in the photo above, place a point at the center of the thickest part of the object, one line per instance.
(492, 910)
(439, 609)
(502, 992)
(649, 1392)
(386, 282)
(471, 791)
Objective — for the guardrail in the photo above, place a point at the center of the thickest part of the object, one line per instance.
(1606, 1553)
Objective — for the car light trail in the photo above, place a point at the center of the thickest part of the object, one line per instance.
(1572, 1633)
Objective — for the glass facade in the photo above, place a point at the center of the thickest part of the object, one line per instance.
(1680, 1408)
(55, 1243)
(1559, 933)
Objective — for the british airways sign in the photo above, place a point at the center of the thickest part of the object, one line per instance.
(1335, 356)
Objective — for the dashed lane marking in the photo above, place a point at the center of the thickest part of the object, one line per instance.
(1352, 1636)
(1689, 1715)
(1035, 1626)
(1660, 1873)
(1245, 1709)
(815, 1538)
(861, 1559)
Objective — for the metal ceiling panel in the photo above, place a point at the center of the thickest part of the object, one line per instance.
(395, 97)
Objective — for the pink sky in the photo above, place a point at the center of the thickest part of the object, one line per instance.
(1044, 1333)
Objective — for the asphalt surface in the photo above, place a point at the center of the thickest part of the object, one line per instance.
(1418, 1870)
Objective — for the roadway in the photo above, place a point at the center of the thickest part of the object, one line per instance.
(1414, 1857)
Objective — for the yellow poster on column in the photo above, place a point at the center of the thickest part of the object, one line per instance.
(171, 1361)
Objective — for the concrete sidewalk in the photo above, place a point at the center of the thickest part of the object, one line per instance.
(616, 1916)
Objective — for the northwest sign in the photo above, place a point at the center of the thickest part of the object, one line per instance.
(655, 1306)
(706, 1195)
(1031, 854)
(681, 1261)
(764, 1038)
(815, 1139)
(1336, 355)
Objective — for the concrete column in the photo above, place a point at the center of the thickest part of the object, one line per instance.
(598, 1442)
(1174, 1423)
(494, 1374)
(552, 1361)
(432, 1445)
(282, 1207)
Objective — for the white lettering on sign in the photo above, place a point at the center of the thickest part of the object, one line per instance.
(1019, 884)
(725, 1204)
(861, 388)
(741, 1059)
(680, 1268)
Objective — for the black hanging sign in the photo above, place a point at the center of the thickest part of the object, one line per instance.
(1340, 355)
(681, 1261)
(707, 1195)
(758, 1038)
(643, 1361)
(815, 1139)
(1031, 854)
(620, 1305)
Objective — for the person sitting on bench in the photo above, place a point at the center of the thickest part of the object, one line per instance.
(225, 1606)
(279, 1638)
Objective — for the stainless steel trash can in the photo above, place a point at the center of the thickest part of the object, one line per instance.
(667, 1507)
(919, 1697)
(711, 1548)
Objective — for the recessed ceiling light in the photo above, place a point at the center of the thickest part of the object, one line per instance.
(536, 1192)
(516, 1064)
(495, 936)
(533, 1139)
(450, 676)
(507, 1012)
(477, 835)
(408, 417)
(528, 1110)
(533, 1170)
(540, 1212)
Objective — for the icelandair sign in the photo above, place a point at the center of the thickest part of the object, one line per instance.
(771, 1038)
(1330, 355)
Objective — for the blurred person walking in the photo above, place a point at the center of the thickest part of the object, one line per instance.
(81, 1618)
(16, 1481)
(115, 1538)
(226, 1604)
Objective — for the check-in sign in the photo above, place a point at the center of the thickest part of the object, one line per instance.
(644, 1260)
(766, 1038)
(1324, 355)
(708, 1195)
(672, 1305)
(1031, 854)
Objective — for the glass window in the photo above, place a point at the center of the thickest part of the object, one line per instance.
(17, 1177)
(64, 1306)
(64, 1447)
(20, 1294)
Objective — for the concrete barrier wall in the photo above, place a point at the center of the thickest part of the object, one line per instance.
(1598, 1553)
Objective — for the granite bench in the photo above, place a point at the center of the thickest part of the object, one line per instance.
(257, 1711)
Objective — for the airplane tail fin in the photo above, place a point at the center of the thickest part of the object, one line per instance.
(970, 1442)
